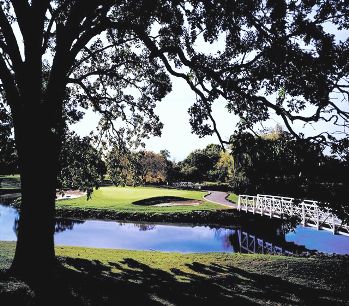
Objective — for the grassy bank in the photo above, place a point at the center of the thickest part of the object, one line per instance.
(130, 199)
(233, 197)
(108, 277)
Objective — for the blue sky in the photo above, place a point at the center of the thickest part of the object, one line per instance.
(176, 134)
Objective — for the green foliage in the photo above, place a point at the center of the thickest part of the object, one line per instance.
(81, 165)
(136, 168)
(149, 168)
(274, 162)
(200, 164)
(119, 166)
(224, 168)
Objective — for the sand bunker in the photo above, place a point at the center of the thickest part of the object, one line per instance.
(180, 203)
(70, 194)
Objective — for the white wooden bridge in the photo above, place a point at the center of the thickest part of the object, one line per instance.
(308, 211)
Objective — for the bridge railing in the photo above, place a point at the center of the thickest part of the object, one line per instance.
(307, 210)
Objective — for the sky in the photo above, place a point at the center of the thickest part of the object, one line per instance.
(176, 136)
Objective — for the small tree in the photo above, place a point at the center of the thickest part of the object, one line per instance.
(149, 168)
(81, 165)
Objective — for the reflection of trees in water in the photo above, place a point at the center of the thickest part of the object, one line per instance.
(227, 237)
(61, 225)
(145, 227)
(289, 224)
(15, 225)
(140, 226)
(234, 241)
(66, 224)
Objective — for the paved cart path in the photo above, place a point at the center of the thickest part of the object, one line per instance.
(220, 198)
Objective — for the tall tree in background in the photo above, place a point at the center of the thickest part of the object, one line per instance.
(276, 55)
(119, 166)
(272, 162)
(136, 168)
(81, 165)
(199, 164)
(149, 168)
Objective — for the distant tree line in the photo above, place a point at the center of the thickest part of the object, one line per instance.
(273, 162)
(147, 167)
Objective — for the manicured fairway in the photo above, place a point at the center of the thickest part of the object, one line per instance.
(124, 199)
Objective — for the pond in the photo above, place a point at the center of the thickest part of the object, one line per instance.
(249, 238)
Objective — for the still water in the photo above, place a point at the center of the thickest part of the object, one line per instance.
(184, 238)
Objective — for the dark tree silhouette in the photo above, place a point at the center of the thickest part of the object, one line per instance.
(8, 155)
(74, 53)
(81, 165)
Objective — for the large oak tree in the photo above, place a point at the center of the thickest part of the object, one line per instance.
(57, 56)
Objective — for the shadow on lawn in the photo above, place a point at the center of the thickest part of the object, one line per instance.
(93, 283)
(160, 200)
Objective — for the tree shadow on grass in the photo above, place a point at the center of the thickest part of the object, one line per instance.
(160, 200)
(133, 283)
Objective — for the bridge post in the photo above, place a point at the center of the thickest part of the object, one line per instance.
(261, 206)
(317, 218)
(239, 204)
(334, 225)
(303, 214)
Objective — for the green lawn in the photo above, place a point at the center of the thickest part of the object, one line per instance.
(233, 197)
(125, 199)
(110, 277)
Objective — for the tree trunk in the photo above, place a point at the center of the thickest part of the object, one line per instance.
(38, 148)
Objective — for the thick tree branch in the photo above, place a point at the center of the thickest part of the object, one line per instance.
(22, 11)
(10, 46)
(12, 95)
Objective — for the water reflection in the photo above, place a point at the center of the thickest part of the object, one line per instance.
(249, 243)
(261, 235)
(66, 224)
(267, 236)
(60, 226)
